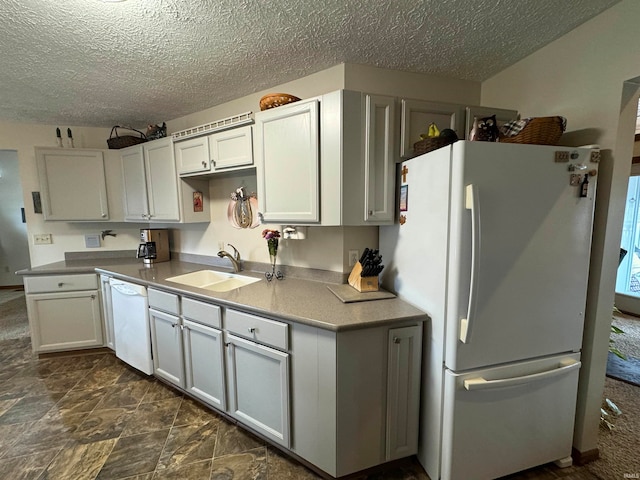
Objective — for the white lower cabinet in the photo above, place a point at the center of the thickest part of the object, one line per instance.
(258, 381)
(355, 396)
(204, 363)
(343, 401)
(166, 346)
(403, 396)
(64, 312)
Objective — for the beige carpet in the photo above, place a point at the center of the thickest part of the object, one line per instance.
(620, 447)
(13, 316)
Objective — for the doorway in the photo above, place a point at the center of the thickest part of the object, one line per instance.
(14, 244)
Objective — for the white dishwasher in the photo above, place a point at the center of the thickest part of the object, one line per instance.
(130, 307)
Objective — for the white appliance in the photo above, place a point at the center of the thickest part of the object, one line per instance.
(130, 310)
(494, 246)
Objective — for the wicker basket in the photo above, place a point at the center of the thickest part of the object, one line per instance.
(116, 142)
(430, 144)
(273, 100)
(539, 131)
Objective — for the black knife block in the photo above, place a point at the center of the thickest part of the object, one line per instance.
(362, 284)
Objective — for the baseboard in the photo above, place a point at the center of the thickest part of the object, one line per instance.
(582, 458)
(75, 353)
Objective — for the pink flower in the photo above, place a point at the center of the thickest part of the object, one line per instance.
(269, 234)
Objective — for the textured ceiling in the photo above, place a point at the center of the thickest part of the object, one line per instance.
(84, 62)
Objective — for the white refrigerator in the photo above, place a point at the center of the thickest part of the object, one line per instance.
(493, 242)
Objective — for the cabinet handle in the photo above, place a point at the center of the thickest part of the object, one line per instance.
(60, 284)
(174, 325)
(204, 164)
(93, 297)
(104, 215)
(396, 340)
(370, 212)
(252, 330)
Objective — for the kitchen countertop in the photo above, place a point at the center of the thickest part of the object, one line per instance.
(293, 299)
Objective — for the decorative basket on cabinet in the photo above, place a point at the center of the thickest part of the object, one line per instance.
(539, 131)
(273, 100)
(117, 141)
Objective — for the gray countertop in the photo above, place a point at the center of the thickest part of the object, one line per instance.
(293, 299)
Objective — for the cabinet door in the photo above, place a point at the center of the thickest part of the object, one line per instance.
(136, 206)
(379, 162)
(403, 391)
(417, 115)
(107, 312)
(166, 346)
(162, 181)
(204, 363)
(65, 321)
(259, 388)
(72, 184)
(231, 148)
(192, 155)
(287, 163)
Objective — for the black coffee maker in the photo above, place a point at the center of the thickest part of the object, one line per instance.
(154, 246)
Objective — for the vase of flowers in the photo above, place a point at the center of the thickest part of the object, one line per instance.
(272, 237)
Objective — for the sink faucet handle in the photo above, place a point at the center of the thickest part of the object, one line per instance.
(236, 253)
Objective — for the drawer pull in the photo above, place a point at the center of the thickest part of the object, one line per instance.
(60, 284)
(396, 340)
(252, 330)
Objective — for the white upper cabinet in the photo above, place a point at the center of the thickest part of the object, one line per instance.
(358, 158)
(192, 156)
(152, 190)
(379, 160)
(327, 160)
(230, 149)
(73, 186)
(417, 115)
(288, 162)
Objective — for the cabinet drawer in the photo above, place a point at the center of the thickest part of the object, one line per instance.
(166, 302)
(268, 332)
(60, 283)
(201, 312)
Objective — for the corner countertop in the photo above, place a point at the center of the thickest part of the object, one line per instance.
(294, 299)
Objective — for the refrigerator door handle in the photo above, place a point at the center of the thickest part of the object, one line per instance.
(480, 383)
(472, 202)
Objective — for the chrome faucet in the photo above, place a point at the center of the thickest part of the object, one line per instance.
(235, 258)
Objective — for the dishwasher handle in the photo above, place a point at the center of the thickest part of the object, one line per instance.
(129, 289)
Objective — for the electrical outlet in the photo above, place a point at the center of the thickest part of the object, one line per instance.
(42, 239)
(353, 257)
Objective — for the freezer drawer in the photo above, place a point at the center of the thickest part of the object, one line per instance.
(506, 419)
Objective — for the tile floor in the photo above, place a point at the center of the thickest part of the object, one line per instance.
(89, 416)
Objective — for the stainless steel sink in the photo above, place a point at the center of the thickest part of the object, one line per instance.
(212, 280)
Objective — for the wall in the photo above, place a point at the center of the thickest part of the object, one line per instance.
(324, 248)
(582, 76)
(14, 252)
